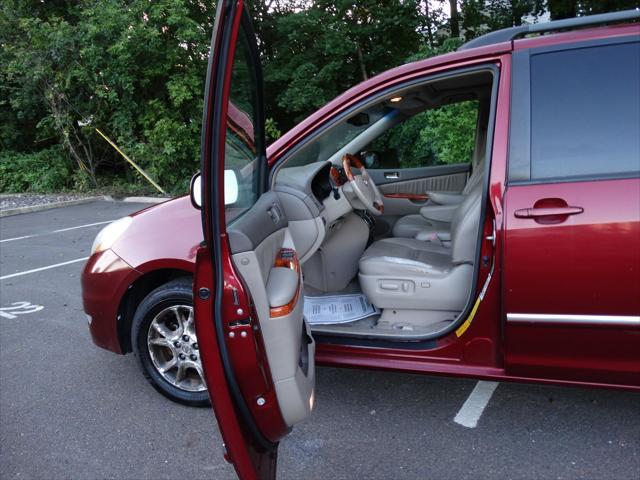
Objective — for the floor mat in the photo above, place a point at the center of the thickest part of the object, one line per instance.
(335, 309)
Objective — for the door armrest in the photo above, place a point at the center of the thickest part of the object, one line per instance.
(446, 198)
(282, 286)
(439, 213)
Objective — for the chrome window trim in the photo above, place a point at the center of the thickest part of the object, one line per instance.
(543, 318)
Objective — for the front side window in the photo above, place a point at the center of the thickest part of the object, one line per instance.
(442, 121)
(585, 112)
(243, 143)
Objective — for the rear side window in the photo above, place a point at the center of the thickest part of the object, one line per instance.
(585, 112)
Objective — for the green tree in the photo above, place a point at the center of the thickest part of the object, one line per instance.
(135, 70)
(332, 45)
(483, 16)
(559, 9)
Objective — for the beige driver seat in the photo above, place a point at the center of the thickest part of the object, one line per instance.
(411, 274)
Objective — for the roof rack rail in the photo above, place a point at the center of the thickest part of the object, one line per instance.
(509, 34)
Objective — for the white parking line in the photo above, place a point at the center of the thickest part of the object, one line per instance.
(473, 407)
(27, 272)
(16, 238)
(54, 231)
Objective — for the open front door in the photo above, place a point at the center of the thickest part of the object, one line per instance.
(255, 347)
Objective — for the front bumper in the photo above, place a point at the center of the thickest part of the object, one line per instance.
(105, 279)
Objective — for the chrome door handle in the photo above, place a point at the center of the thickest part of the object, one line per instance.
(392, 175)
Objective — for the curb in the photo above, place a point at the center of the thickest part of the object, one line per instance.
(145, 199)
(48, 206)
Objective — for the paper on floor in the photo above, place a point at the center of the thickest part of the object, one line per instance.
(337, 309)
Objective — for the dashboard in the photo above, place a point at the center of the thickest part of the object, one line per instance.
(321, 186)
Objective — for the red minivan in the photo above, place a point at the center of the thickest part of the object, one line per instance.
(520, 262)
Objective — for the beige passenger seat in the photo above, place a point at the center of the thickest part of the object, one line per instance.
(411, 274)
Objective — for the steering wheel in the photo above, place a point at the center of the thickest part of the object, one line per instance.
(362, 185)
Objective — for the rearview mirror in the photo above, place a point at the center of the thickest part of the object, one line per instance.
(359, 120)
(230, 189)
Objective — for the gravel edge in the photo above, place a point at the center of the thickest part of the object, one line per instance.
(36, 208)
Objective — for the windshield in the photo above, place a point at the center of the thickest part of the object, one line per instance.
(336, 137)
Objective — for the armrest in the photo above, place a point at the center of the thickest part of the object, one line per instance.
(439, 213)
(444, 236)
(446, 198)
(282, 286)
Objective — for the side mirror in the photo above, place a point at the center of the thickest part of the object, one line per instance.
(371, 159)
(195, 191)
(230, 189)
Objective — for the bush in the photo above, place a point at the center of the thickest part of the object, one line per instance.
(45, 171)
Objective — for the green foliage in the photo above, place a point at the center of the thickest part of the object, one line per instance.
(271, 130)
(434, 137)
(136, 70)
(323, 50)
(449, 132)
(482, 16)
(48, 170)
(559, 9)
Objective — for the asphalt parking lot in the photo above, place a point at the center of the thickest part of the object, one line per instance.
(71, 410)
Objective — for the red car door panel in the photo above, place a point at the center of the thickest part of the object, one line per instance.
(232, 348)
(571, 281)
(568, 277)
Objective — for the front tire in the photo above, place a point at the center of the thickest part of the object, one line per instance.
(163, 338)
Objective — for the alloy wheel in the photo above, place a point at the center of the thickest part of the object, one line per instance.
(173, 348)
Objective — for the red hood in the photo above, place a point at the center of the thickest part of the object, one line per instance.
(166, 235)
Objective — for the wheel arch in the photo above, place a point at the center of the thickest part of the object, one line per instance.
(135, 293)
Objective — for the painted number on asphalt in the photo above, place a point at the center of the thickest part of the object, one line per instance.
(19, 308)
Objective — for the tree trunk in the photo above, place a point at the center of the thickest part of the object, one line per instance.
(59, 116)
(363, 70)
(454, 21)
(427, 16)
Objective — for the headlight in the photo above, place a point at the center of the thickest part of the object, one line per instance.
(109, 234)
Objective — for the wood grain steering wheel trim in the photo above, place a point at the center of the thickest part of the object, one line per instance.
(347, 162)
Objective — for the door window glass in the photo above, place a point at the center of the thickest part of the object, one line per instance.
(439, 136)
(585, 112)
(243, 143)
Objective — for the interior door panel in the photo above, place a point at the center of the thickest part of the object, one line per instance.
(414, 182)
(385, 176)
(264, 255)
(257, 353)
(406, 206)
